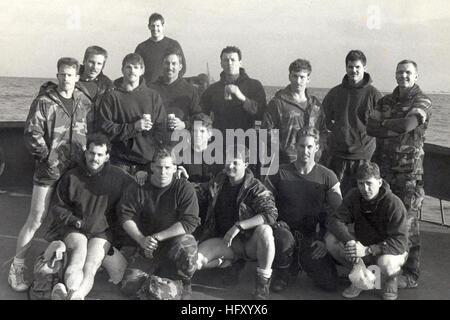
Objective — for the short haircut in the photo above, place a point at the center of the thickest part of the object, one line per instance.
(300, 65)
(133, 58)
(368, 170)
(308, 132)
(406, 61)
(355, 55)
(98, 139)
(163, 152)
(239, 151)
(231, 49)
(95, 50)
(154, 17)
(174, 51)
(69, 62)
(203, 118)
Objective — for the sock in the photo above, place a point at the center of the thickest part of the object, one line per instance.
(265, 273)
(18, 261)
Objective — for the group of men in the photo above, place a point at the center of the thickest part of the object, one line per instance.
(106, 171)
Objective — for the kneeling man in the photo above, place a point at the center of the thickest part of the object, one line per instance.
(84, 216)
(161, 215)
(237, 223)
(380, 236)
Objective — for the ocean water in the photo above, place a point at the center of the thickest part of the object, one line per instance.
(16, 95)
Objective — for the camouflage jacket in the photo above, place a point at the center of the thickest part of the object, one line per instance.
(288, 116)
(404, 152)
(253, 199)
(52, 135)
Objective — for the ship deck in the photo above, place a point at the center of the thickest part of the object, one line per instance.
(434, 282)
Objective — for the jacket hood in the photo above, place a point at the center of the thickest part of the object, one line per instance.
(82, 164)
(367, 80)
(48, 88)
(160, 82)
(118, 84)
(242, 76)
(371, 205)
(286, 95)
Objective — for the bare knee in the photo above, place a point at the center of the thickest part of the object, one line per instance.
(389, 265)
(332, 243)
(264, 235)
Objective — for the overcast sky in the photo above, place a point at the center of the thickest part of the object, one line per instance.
(271, 34)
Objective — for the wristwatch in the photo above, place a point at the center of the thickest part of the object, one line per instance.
(78, 224)
(239, 226)
(369, 251)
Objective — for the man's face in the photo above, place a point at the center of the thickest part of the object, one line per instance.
(355, 71)
(132, 72)
(369, 188)
(162, 172)
(96, 156)
(93, 65)
(67, 77)
(306, 149)
(230, 63)
(406, 75)
(156, 29)
(201, 135)
(235, 168)
(299, 80)
(171, 67)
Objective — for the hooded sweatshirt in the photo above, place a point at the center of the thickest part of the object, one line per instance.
(119, 111)
(53, 135)
(89, 198)
(347, 111)
(233, 114)
(379, 223)
(288, 116)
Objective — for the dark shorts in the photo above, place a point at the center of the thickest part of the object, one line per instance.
(106, 235)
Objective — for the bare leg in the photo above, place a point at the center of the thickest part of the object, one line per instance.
(210, 251)
(261, 246)
(96, 250)
(40, 201)
(77, 246)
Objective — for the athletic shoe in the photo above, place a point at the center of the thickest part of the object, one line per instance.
(390, 289)
(59, 292)
(351, 292)
(405, 281)
(16, 277)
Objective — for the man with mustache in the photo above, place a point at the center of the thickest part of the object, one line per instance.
(161, 216)
(134, 118)
(152, 50)
(55, 134)
(92, 81)
(84, 216)
(347, 107)
(180, 98)
(380, 231)
(399, 122)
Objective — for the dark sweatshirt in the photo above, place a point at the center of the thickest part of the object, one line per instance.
(152, 52)
(379, 223)
(347, 112)
(155, 209)
(89, 198)
(233, 114)
(119, 111)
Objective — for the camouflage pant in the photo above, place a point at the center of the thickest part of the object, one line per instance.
(409, 188)
(178, 257)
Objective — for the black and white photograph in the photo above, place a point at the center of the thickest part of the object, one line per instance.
(226, 154)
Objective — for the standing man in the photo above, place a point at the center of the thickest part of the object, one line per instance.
(133, 117)
(347, 107)
(55, 134)
(153, 49)
(84, 216)
(305, 194)
(179, 96)
(92, 81)
(236, 100)
(380, 231)
(160, 217)
(292, 109)
(399, 122)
